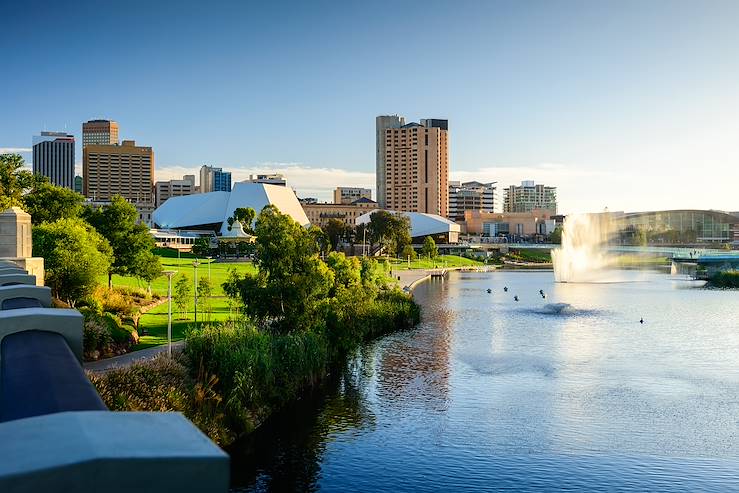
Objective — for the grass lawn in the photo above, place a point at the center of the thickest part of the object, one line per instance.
(440, 261)
(155, 320)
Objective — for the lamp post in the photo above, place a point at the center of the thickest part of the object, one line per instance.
(169, 274)
(364, 240)
(195, 266)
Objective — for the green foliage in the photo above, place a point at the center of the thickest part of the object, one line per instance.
(374, 273)
(181, 293)
(74, 257)
(132, 244)
(429, 248)
(408, 253)
(292, 281)
(391, 231)
(530, 255)
(556, 235)
(15, 180)
(201, 248)
(320, 238)
(347, 270)
(104, 335)
(337, 231)
(205, 291)
(166, 384)
(727, 279)
(47, 203)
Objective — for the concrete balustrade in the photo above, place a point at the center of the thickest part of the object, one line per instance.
(12, 270)
(68, 323)
(111, 452)
(13, 279)
(40, 293)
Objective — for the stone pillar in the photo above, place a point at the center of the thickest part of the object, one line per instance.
(16, 242)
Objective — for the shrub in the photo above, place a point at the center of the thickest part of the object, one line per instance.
(165, 384)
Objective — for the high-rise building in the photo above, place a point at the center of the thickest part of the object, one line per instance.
(126, 170)
(470, 195)
(214, 179)
(99, 132)
(382, 123)
(78, 184)
(347, 195)
(53, 157)
(269, 179)
(530, 196)
(164, 190)
(415, 166)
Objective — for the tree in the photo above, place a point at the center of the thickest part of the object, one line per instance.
(429, 248)
(47, 203)
(336, 230)
(15, 180)
(391, 231)
(147, 268)
(245, 215)
(75, 256)
(289, 290)
(347, 270)
(408, 253)
(201, 247)
(556, 235)
(204, 293)
(117, 223)
(182, 293)
(321, 239)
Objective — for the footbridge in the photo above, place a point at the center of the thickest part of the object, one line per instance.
(56, 434)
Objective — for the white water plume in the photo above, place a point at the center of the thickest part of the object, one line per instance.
(583, 255)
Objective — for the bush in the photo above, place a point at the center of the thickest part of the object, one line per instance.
(165, 384)
(104, 335)
(728, 279)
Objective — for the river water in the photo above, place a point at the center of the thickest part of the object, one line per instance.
(567, 392)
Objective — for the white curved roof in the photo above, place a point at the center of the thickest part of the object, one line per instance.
(216, 207)
(422, 224)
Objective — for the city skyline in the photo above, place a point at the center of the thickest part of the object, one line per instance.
(617, 105)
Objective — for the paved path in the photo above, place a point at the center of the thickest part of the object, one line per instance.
(127, 359)
(408, 277)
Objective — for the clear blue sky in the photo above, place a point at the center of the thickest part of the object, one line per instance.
(630, 105)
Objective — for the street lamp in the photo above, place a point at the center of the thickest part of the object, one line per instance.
(195, 266)
(169, 274)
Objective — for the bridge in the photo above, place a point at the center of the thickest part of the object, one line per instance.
(56, 434)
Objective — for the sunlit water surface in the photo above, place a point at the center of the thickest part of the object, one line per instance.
(567, 392)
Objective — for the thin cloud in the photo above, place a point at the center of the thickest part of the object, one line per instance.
(14, 150)
(308, 181)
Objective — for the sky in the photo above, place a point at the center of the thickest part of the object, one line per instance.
(625, 105)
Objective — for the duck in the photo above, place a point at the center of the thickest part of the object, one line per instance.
(490, 290)
(515, 298)
(641, 320)
(505, 288)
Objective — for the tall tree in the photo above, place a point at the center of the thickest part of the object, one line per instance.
(75, 256)
(47, 203)
(181, 294)
(15, 180)
(291, 285)
(336, 231)
(129, 240)
(429, 248)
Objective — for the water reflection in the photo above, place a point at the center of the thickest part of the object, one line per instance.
(488, 393)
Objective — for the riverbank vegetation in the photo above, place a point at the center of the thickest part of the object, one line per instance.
(298, 316)
(725, 280)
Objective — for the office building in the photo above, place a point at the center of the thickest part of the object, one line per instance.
(214, 179)
(530, 196)
(164, 190)
(268, 179)
(53, 157)
(347, 195)
(382, 123)
(99, 132)
(470, 195)
(78, 184)
(125, 170)
(415, 166)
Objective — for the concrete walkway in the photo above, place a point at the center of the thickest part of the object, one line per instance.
(409, 278)
(103, 365)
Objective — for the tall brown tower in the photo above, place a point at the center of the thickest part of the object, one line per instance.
(417, 167)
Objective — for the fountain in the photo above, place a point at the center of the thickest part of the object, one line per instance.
(583, 256)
